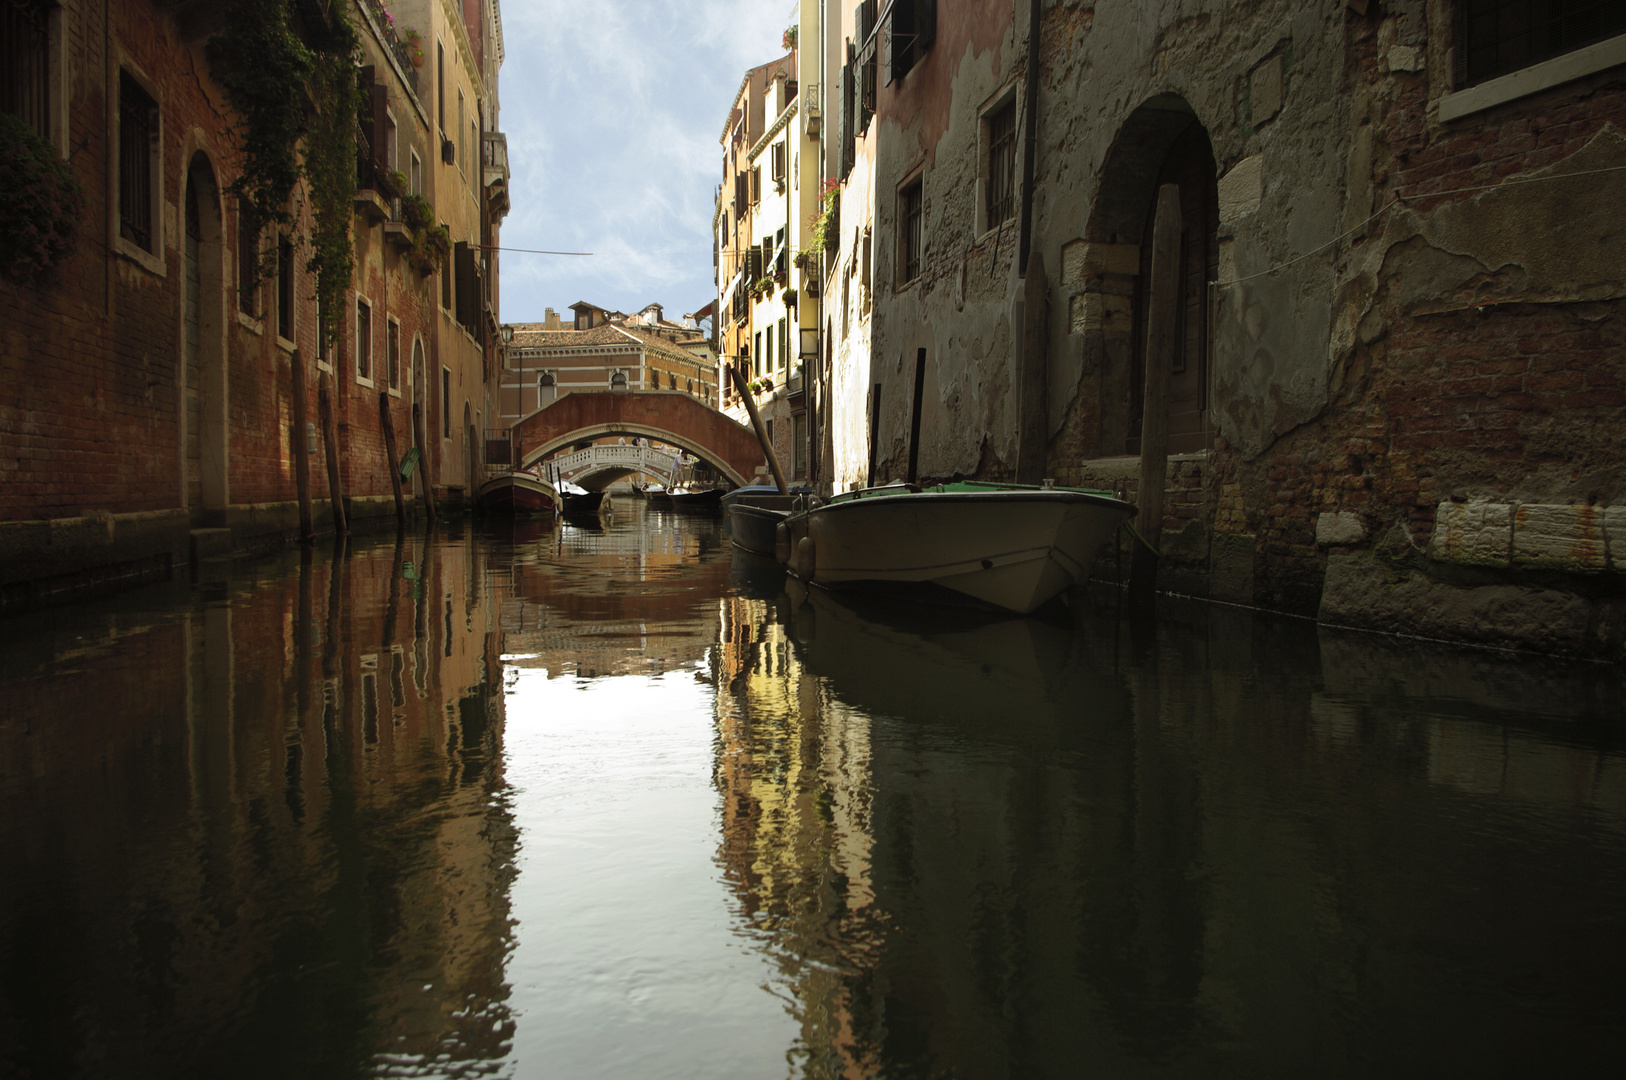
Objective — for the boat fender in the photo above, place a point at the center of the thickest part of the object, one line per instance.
(806, 558)
(781, 543)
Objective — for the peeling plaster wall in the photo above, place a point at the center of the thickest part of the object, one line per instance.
(1408, 311)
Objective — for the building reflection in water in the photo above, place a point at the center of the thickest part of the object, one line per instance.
(262, 834)
(1020, 849)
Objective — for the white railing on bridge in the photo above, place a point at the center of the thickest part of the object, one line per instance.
(595, 458)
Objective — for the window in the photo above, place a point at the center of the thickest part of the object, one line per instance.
(324, 346)
(414, 173)
(446, 403)
(390, 157)
(1000, 193)
(618, 381)
(285, 288)
(364, 340)
(798, 450)
(1497, 37)
(248, 264)
(463, 150)
(25, 64)
(912, 26)
(779, 161)
(756, 351)
(784, 345)
(671, 380)
(767, 356)
(138, 163)
(756, 184)
(909, 232)
(392, 353)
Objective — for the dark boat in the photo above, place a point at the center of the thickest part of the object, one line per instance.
(516, 493)
(696, 500)
(579, 501)
(753, 515)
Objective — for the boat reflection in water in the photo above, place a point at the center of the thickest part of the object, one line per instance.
(1029, 849)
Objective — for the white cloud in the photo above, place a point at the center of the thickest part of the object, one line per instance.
(612, 111)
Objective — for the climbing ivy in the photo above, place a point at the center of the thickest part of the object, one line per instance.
(292, 81)
(40, 204)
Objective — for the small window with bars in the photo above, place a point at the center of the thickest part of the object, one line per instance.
(364, 340)
(392, 352)
(285, 288)
(248, 263)
(138, 144)
(909, 231)
(1498, 37)
(1000, 193)
(25, 63)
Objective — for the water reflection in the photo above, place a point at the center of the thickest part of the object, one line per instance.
(258, 831)
(610, 799)
(1023, 849)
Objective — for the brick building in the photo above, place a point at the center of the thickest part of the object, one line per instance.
(148, 410)
(1396, 400)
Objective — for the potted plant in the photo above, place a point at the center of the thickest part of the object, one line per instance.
(414, 44)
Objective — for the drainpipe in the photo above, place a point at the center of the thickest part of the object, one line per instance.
(1029, 137)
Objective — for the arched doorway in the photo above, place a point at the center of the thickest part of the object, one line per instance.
(420, 417)
(203, 369)
(547, 389)
(1162, 142)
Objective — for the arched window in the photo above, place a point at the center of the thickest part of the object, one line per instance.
(618, 381)
(547, 388)
(671, 380)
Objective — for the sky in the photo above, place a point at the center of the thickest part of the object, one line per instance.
(613, 110)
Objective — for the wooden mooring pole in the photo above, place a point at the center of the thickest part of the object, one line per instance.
(388, 424)
(762, 431)
(330, 440)
(1161, 319)
(302, 455)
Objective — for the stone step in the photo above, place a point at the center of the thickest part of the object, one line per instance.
(210, 543)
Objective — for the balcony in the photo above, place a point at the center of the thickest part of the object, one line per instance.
(494, 155)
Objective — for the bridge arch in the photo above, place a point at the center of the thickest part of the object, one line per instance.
(670, 416)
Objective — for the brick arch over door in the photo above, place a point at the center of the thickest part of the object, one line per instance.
(1162, 142)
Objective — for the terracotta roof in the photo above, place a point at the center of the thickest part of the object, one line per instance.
(527, 338)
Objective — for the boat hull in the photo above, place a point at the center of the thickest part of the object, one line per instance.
(587, 502)
(1013, 549)
(704, 501)
(518, 494)
(753, 527)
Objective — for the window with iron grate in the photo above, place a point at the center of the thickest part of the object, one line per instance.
(1498, 37)
(25, 63)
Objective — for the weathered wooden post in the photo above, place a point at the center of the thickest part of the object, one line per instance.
(914, 416)
(302, 454)
(1033, 375)
(423, 462)
(762, 431)
(1163, 300)
(330, 438)
(388, 424)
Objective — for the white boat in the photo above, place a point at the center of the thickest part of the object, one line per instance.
(1011, 546)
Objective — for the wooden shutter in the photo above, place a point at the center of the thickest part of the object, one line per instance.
(845, 128)
(369, 132)
(468, 296)
(925, 26)
(381, 126)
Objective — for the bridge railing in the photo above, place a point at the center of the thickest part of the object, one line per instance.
(644, 458)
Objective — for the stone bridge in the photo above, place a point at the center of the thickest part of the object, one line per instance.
(671, 416)
(598, 466)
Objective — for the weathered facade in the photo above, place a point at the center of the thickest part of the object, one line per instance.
(1396, 398)
(149, 409)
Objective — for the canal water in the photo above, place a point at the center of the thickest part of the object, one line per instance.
(615, 801)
